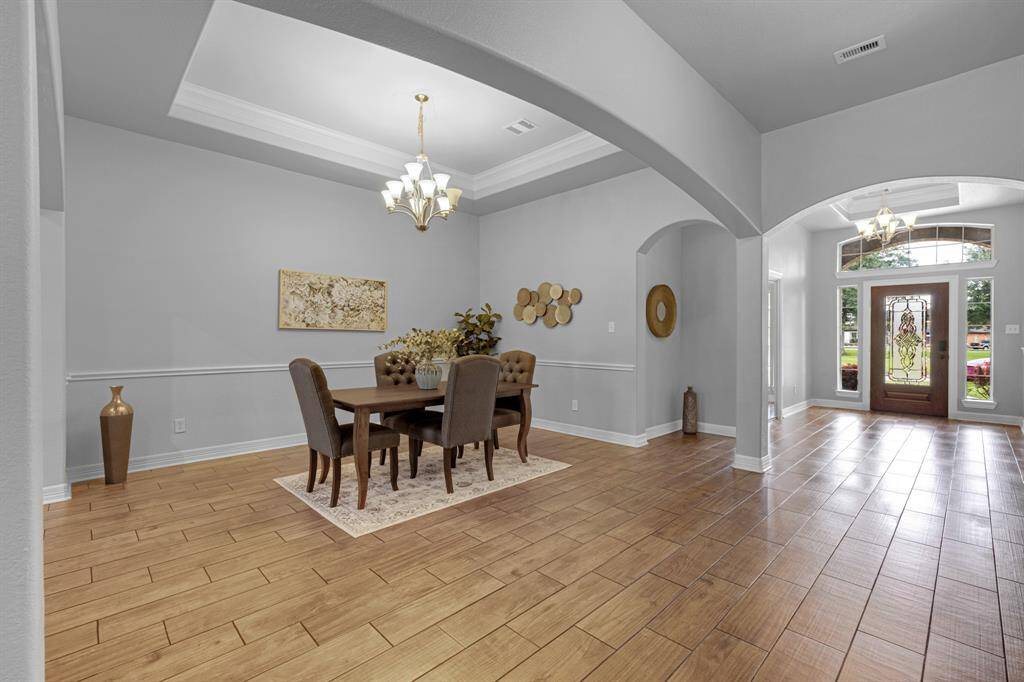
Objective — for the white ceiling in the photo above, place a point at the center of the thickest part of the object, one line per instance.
(911, 199)
(250, 83)
(772, 59)
(362, 89)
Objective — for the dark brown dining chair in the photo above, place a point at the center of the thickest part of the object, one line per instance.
(516, 368)
(468, 410)
(325, 437)
(393, 373)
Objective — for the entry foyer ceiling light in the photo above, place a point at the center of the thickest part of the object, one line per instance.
(419, 193)
(885, 223)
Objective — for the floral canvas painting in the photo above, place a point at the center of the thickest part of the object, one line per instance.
(310, 300)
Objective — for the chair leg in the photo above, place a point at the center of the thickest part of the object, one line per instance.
(476, 445)
(325, 464)
(336, 483)
(312, 470)
(455, 456)
(494, 438)
(369, 463)
(462, 449)
(383, 452)
(415, 447)
(489, 459)
(449, 455)
(393, 455)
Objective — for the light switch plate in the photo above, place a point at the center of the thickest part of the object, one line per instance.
(575, 406)
(611, 327)
(1012, 329)
(179, 425)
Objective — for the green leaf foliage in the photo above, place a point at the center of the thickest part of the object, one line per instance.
(477, 331)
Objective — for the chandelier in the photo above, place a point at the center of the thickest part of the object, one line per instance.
(885, 224)
(420, 193)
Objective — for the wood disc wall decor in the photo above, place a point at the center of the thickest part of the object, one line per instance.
(661, 310)
(550, 303)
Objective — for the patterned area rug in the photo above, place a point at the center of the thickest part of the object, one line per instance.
(414, 497)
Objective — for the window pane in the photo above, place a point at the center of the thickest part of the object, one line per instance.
(979, 339)
(907, 339)
(919, 247)
(849, 360)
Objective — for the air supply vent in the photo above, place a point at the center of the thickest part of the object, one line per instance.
(860, 49)
(521, 126)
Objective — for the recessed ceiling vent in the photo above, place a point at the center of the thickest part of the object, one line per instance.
(876, 44)
(521, 126)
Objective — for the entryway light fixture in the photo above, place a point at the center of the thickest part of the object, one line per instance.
(419, 193)
(885, 223)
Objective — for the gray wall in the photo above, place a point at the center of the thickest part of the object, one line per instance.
(53, 271)
(708, 323)
(1008, 283)
(586, 238)
(789, 254)
(663, 357)
(173, 255)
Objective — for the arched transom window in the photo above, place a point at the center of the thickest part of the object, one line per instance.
(918, 246)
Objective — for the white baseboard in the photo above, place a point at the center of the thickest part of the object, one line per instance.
(795, 409)
(836, 404)
(664, 429)
(633, 441)
(1005, 420)
(56, 493)
(750, 463)
(716, 429)
(166, 459)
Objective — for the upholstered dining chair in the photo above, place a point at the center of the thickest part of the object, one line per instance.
(393, 373)
(325, 437)
(516, 368)
(468, 410)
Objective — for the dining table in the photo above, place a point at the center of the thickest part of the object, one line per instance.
(363, 402)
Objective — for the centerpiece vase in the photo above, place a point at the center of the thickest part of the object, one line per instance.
(116, 433)
(428, 376)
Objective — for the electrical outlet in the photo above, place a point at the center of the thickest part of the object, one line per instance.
(611, 327)
(575, 406)
(1012, 329)
(180, 425)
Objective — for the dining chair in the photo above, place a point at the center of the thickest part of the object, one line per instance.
(393, 373)
(325, 437)
(468, 410)
(516, 368)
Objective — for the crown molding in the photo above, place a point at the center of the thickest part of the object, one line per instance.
(214, 109)
(900, 200)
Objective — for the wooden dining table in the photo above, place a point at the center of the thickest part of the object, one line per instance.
(362, 402)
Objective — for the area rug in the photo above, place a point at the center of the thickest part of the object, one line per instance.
(418, 496)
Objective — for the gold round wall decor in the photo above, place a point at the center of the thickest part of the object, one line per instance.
(661, 310)
(550, 303)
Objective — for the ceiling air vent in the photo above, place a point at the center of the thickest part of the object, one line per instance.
(521, 126)
(860, 49)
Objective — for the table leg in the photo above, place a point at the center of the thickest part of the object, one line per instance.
(361, 451)
(526, 412)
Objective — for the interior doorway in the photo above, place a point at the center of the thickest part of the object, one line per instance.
(774, 346)
(910, 348)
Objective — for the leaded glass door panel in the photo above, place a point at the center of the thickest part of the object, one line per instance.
(909, 348)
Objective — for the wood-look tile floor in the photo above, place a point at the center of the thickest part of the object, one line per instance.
(879, 547)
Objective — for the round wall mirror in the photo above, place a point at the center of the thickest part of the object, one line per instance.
(661, 310)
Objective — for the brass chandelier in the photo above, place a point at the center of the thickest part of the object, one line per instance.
(885, 223)
(420, 193)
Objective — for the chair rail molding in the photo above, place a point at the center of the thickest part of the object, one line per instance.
(600, 366)
(107, 375)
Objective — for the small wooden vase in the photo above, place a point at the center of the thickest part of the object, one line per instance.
(690, 411)
(116, 433)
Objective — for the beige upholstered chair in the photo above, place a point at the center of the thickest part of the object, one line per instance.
(325, 437)
(392, 373)
(468, 410)
(516, 368)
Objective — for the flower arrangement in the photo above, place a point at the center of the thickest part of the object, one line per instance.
(421, 347)
(477, 330)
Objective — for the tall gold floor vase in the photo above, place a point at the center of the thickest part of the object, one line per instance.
(116, 432)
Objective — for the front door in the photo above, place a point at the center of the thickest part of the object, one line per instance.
(910, 348)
